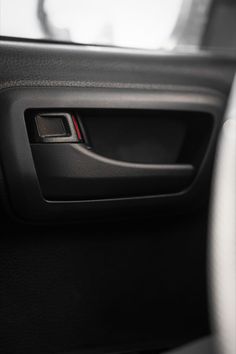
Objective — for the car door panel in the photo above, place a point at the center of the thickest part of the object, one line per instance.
(115, 272)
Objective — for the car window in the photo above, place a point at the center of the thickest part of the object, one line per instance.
(169, 25)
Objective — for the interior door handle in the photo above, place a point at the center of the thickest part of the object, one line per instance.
(73, 172)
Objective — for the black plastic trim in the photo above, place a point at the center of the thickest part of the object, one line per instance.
(24, 188)
(72, 172)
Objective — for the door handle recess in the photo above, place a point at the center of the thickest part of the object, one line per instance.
(73, 172)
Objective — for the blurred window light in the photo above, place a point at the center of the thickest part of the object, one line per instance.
(144, 24)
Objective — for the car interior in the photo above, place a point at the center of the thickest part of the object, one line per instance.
(118, 177)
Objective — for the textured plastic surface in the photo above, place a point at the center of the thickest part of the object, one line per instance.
(72, 172)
